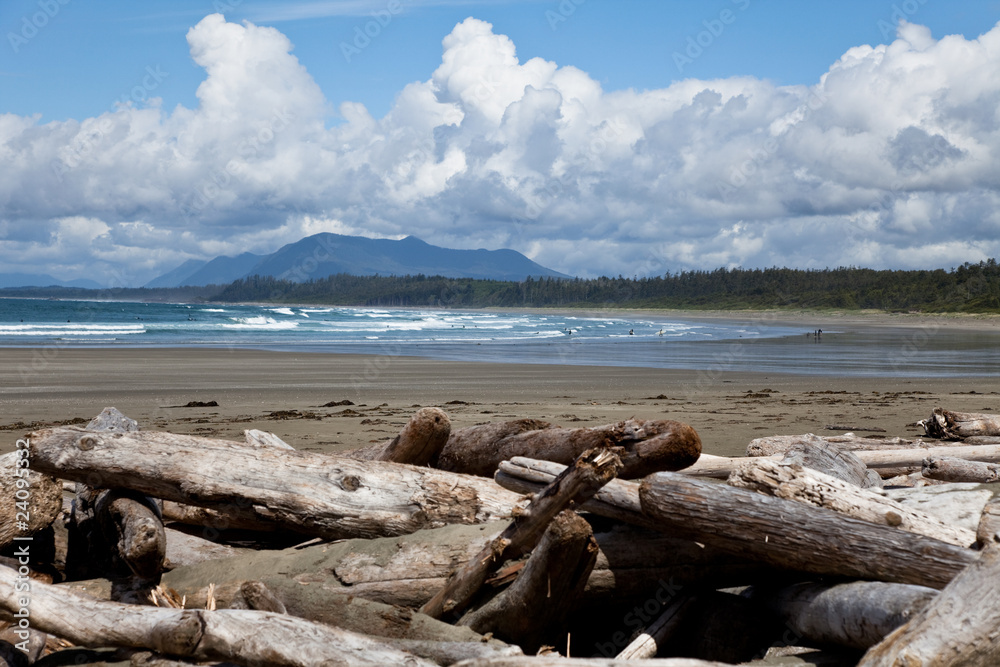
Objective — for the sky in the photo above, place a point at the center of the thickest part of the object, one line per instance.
(630, 138)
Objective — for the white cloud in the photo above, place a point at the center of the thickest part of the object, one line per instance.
(891, 159)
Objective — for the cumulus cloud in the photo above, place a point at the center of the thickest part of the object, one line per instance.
(890, 159)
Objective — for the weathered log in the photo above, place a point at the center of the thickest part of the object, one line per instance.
(535, 607)
(982, 440)
(796, 536)
(592, 470)
(122, 525)
(420, 441)
(646, 446)
(805, 485)
(779, 444)
(237, 635)
(185, 549)
(948, 425)
(958, 504)
(130, 523)
(21, 646)
(988, 530)
(29, 500)
(239, 514)
(310, 493)
(888, 463)
(833, 461)
(857, 614)
(257, 438)
(958, 627)
(950, 469)
(659, 631)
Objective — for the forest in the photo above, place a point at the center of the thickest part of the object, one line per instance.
(967, 288)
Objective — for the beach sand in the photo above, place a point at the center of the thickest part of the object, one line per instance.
(284, 392)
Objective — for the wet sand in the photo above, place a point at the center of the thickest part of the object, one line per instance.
(287, 393)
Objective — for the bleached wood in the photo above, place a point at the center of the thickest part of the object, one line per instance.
(958, 627)
(420, 441)
(244, 637)
(309, 493)
(794, 482)
(779, 444)
(648, 643)
(40, 498)
(258, 438)
(547, 661)
(795, 536)
(950, 469)
(949, 425)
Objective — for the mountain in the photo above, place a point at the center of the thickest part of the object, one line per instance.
(177, 277)
(327, 254)
(43, 280)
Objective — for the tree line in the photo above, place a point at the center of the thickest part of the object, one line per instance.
(968, 288)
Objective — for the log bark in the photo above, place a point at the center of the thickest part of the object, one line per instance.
(988, 530)
(804, 485)
(948, 425)
(29, 500)
(647, 446)
(960, 505)
(239, 636)
(592, 470)
(534, 608)
(309, 493)
(794, 536)
(779, 444)
(950, 469)
(420, 441)
(958, 627)
(857, 614)
(833, 461)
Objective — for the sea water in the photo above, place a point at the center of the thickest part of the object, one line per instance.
(750, 344)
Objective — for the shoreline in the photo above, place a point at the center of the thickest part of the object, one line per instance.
(287, 392)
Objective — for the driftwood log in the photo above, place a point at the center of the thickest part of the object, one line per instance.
(257, 438)
(948, 425)
(856, 614)
(29, 500)
(988, 530)
(244, 637)
(548, 661)
(534, 608)
(646, 446)
(794, 536)
(309, 493)
(592, 470)
(793, 482)
(833, 461)
(420, 441)
(950, 469)
(659, 631)
(958, 627)
(779, 444)
(888, 463)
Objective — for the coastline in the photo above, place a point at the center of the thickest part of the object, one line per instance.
(285, 393)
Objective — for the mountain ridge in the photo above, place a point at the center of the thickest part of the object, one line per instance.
(324, 254)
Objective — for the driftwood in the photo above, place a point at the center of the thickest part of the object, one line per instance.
(309, 493)
(794, 536)
(949, 469)
(948, 425)
(857, 614)
(547, 661)
(988, 530)
(29, 500)
(958, 504)
(982, 440)
(833, 461)
(236, 635)
(646, 446)
(793, 482)
(659, 631)
(592, 470)
(779, 444)
(958, 627)
(257, 438)
(535, 607)
(420, 441)
(888, 463)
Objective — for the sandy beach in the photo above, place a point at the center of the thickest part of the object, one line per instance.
(288, 393)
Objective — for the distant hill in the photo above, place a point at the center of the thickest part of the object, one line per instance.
(43, 280)
(326, 254)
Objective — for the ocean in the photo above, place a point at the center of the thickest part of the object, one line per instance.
(760, 344)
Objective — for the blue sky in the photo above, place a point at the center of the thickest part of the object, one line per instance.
(616, 143)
